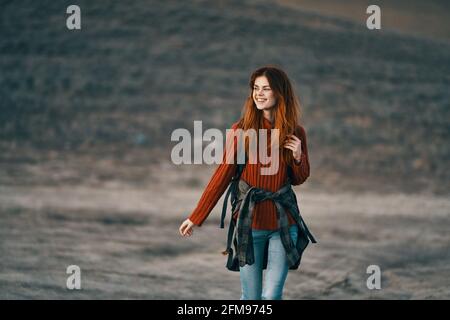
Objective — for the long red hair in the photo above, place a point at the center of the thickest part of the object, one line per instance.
(286, 109)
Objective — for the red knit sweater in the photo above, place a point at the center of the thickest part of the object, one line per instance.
(264, 215)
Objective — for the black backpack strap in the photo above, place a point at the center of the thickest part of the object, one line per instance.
(232, 189)
(225, 202)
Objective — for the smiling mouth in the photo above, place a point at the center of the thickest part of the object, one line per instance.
(261, 100)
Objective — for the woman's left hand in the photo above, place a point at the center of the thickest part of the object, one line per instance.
(295, 144)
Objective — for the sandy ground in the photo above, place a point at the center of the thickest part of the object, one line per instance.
(125, 241)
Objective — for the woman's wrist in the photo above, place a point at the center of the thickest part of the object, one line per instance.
(297, 161)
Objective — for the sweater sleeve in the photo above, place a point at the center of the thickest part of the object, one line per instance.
(301, 169)
(218, 182)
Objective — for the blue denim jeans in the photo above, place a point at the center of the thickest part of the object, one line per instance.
(277, 267)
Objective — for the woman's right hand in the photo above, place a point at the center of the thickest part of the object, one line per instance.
(187, 228)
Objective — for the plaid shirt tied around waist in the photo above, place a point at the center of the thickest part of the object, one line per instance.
(241, 236)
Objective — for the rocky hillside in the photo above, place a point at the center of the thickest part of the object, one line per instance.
(375, 103)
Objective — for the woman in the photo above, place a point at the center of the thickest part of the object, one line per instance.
(271, 105)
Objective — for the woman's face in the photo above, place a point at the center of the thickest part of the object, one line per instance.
(263, 94)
